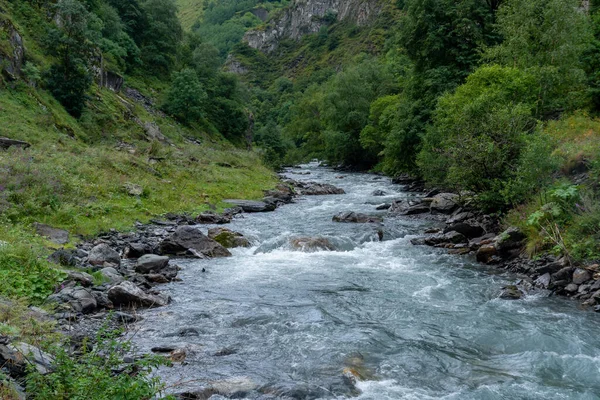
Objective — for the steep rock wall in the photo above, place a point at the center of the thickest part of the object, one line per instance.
(304, 17)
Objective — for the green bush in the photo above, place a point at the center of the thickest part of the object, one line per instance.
(98, 373)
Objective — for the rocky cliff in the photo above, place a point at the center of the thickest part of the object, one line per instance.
(303, 17)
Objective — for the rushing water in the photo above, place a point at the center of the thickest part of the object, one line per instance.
(416, 322)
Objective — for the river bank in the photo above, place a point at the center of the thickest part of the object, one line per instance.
(225, 310)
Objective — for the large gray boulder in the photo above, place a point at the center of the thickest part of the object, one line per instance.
(104, 253)
(444, 203)
(228, 238)
(151, 263)
(188, 241)
(353, 217)
(112, 275)
(55, 235)
(129, 295)
(16, 358)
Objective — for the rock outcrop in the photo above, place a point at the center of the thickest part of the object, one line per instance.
(304, 17)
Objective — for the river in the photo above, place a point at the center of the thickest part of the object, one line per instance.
(416, 322)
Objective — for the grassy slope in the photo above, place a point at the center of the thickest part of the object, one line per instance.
(190, 11)
(74, 175)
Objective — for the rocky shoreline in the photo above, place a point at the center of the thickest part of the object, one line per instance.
(117, 273)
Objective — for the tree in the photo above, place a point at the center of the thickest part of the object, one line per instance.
(70, 77)
(186, 97)
(160, 39)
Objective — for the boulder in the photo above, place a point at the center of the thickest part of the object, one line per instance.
(136, 250)
(250, 206)
(469, 230)
(511, 292)
(65, 258)
(311, 244)
(445, 238)
(485, 253)
(459, 216)
(16, 358)
(228, 238)
(151, 263)
(444, 203)
(210, 217)
(543, 281)
(82, 278)
(510, 239)
(103, 253)
(316, 189)
(581, 276)
(129, 295)
(282, 193)
(378, 193)
(416, 209)
(57, 236)
(571, 288)
(352, 217)
(77, 299)
(111, 275)
(189, 241)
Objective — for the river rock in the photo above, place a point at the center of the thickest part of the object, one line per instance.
(378, 193)
(283, 193)
(571, 288)
(416, 209)
(444, 203)
(471, 231)
(62, 257)
(228, 238)
(445, 238)
(129, 295)
(189, 241)
(17, 357)
(136, 250)
(459, 216)
(213, 218)
(352, 217)
(511, 292)
(581, 276)
(311, 244)
(82, 278)
(102, 253)
(151, 263)
(250, 206)
(57, 236)
(512, 238)
(111, 275)
(485, 253)
(543, 281)
(316, 189)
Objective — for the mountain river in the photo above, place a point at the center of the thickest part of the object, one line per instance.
(412, 321)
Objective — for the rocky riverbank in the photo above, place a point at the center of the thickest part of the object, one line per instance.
(465, 230)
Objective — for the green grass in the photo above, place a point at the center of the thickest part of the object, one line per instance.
(190, 11)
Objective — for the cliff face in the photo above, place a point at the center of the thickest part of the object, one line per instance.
(304, 17)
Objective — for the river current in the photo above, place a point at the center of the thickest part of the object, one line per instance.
(415, 322)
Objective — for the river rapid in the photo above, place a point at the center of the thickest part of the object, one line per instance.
(415, 322)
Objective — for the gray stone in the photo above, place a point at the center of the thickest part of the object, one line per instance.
(444, 203)
(112, 275)
(129, 295)
(228, 238)
(250, 206)
(378, 193)
(84, 279)
(352, 217)
(63, 257)
(210, 217)
(102, 253)
(151, 263)
(571, 288)
(511, 293)
(543, 281)
(83, 301)
(311, 244)
(58, 236)
(511, 238)
(469, 230)
(189, 241)
(16, 358)
(581, 276)
(416, 209)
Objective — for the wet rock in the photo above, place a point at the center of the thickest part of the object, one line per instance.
(378, 193)
(384, 206)
(316, 189)
(282, 193)
(228, 238)
(444, 238)
(129, 295)
(486, 253)
(156, 278)
(250, 206)
(551, 267)
(188, 332)
(57, 236)
(178, 355)
(151, 263)
(352, 217)
(564, 274)
(311, 244)
(571, 288)
(189, 241)
(102, 253)
(416, 209)
(581, 276)
(225, 352)
(511, 292)
(543, 281)
(213, 218)
(163, 349)
(459, 216)
(83, 301)
(469, 230)
(65, 258)
(444, 203)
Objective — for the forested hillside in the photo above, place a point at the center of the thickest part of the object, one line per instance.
(494, 99)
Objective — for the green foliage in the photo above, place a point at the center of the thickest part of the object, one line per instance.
(186, 98)
(479, 133)
(547, 38)
(23, 269)
(92, 375)
(161, 36)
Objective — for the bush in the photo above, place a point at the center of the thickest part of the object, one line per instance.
(479, 133)
(186, 97)
(97, 374)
